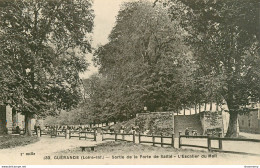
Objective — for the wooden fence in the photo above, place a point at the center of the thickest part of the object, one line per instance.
(22, 131)
(137, 138)
(83, 134)
(220, 148)
(73, 133)
(220, 140)
(134, 135)
(44, 132)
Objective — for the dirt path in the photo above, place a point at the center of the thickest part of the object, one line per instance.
(250, 135)
(39, 151)
(46, 146)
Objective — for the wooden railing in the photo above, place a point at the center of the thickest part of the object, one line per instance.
(71, 133)
(45, 132)
(106, 138)
(158, 136)
(220, 140)
(22, 131)
(133, 139)
(189, 145)
(220, 148)
(83, 134)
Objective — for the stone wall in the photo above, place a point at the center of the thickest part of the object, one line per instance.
(155, 123)
(212, 122)
(191, 122)
(249, 122)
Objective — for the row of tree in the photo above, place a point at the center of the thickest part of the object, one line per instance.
(160, 56)
(170, 56)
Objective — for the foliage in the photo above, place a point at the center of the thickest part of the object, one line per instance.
(157, 123)
(42, 51)
(212, 118)
(72, 117)
(206, 51)
(145, 63)
(226, 48)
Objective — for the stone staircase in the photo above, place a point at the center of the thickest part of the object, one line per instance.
(181, 122)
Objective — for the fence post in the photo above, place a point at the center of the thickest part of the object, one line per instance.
(133, 136)
(153, 140)
(161, 140)
(69, 134)
(220, 141)
(95, 135)
(173, 140)
(115, 136)
(179, 139)
(209, 143)
(66, 133)
(53, 133)
(139, 138)
(102, 138)
(123, 135)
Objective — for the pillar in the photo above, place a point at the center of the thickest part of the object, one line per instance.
(9, 120)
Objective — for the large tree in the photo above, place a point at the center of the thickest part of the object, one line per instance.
(42, 51)
(145, 62)
(224, 36)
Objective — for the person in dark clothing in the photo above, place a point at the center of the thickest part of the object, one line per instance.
(35, 129)
(187, 132)
(17, 130)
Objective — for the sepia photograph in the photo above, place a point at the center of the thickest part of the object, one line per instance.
(129, 82)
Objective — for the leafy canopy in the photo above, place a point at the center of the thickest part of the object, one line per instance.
(42, 51)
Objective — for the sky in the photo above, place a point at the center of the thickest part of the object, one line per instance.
(105, 17)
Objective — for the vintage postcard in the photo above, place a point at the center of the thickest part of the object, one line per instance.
(129, 82)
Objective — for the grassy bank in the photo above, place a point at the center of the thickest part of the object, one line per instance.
(10, 141)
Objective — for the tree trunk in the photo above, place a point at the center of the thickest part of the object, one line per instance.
(232, 126)
(28, 130)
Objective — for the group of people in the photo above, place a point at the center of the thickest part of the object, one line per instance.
(108, 129)
(187, 132)
(69, 127)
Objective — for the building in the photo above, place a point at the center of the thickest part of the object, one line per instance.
(250, 122)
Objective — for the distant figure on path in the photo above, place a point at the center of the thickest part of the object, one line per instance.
(187, 132)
